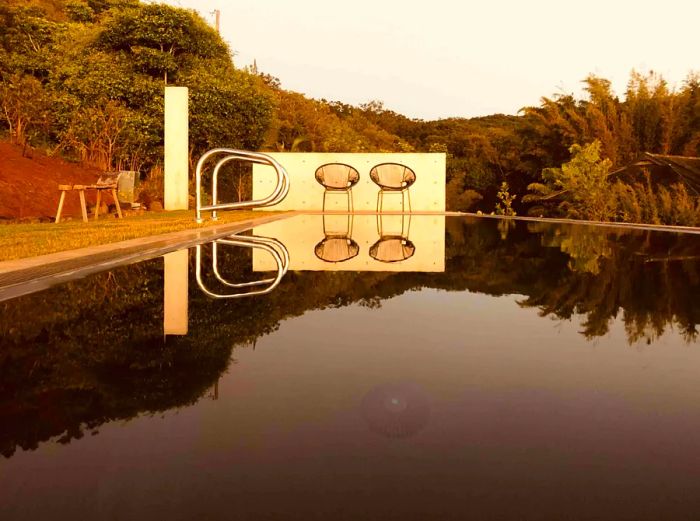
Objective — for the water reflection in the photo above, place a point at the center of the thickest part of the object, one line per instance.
(176, 269)
(396, 410)
(277, 251)
(359, 243)
(93, 350)
(393, 245)
(337, 245)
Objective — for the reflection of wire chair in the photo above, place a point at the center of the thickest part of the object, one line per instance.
(392, 178)
(337, 246)
(393, 247)
(336, 178)
(275, 248)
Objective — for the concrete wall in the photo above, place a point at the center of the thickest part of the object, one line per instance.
(427, 193)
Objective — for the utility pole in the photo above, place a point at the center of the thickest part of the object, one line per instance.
(217, 20)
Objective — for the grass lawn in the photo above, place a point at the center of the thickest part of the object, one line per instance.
(18, 241)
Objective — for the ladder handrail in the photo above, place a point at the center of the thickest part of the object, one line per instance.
(215, 182)
(275, 248)
(279, 193)
(253, 239)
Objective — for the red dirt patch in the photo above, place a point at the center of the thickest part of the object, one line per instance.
(29, 185)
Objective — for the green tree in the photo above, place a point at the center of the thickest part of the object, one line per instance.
(228, 107)
(25, 106)
(27, 40)
(160, 38)
(505, 201)
(581, 185)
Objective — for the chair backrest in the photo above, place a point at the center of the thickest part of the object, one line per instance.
(392, 176)
(337, 176)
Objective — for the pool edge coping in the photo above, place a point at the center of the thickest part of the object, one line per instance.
(30, 274)
(214, 231)
(23, 276)
(694, 230)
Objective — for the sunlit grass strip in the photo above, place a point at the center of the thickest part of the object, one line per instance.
(18, 241)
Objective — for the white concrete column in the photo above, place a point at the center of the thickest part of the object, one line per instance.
(176, 173)
(175, 298)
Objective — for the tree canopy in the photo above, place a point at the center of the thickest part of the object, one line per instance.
(92, 74)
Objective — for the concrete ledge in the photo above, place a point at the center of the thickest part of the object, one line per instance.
(24, 276)
(606, 224)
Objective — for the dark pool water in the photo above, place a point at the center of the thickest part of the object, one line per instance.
(471, 369)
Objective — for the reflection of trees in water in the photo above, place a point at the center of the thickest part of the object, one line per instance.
(651, 278)
(92, 351)
(585, 247)
(77, 356)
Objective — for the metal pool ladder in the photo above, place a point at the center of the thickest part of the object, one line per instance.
(230, 154)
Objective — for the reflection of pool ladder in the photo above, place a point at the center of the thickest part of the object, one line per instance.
(272, 246)
(230, 154)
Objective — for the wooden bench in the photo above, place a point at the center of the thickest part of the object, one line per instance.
(107, 181)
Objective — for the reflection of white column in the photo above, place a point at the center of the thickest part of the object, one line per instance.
(176, 173)
(175, 293)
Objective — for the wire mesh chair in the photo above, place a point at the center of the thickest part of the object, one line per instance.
(392, 178)
(392, 247)
(336, 178)
(337, 246)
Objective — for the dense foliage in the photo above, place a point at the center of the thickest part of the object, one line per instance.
(522, 151)
(86, 77)
(583, 188)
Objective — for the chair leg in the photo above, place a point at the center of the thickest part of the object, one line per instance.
(408, 195)
(97, 204)
(116, 203)
(379, 192)
(81, 194)
(352, 203)
(60, 206)
(323, 206)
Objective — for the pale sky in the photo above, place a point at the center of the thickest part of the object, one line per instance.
(443, 58)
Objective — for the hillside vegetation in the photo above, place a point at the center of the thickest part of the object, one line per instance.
(85, 78)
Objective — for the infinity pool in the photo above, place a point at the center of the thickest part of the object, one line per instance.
(424, 368)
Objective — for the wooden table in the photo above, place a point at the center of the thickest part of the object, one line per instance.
(81, 193)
